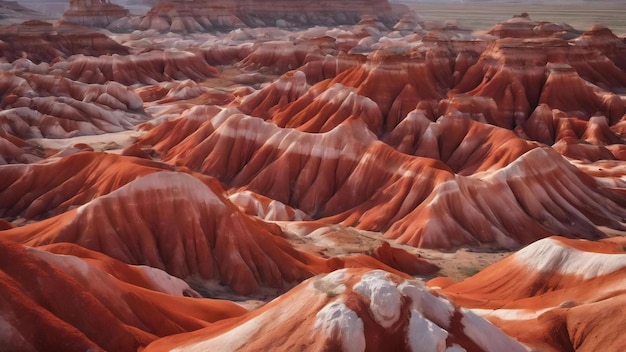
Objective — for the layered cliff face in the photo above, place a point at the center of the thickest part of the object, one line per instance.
(314, 172)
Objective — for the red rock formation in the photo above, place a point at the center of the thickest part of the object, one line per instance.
(519, 74)
(351, 94)
(351, 310)
(463, 206)
(183, 17)
(51, 188)
(97, 13)
(194, 16)
(36, 106)
(14, 150)
(323, 111)
(225, 54)
(602, 39)
(266, 208)
(567, 295)
(431, 135)
(186, 93)
(403, 260)
(264, 102)
(138, 232)
(577, 139)
(581, 99)
(105, 312)
(146, 68)
(153, 237)
(41, 41)
(331, 176)
(466, 146)
(279, 56)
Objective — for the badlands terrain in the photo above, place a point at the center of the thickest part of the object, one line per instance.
(312, 176)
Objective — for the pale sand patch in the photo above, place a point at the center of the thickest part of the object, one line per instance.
(107, 142)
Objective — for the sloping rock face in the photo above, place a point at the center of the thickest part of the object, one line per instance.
(123, 223)
(110, 309)
(50, 106)
(95, 13)
(567, 294)
(216, 144)
(351, 310)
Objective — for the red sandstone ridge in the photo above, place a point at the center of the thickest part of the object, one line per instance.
(155, 240)
(146, 68)
(134, 224)
(346, 176)
(36, 106)
(104, 313)
(567, 295)
(51, 188)
(14, 150)
(350, 309)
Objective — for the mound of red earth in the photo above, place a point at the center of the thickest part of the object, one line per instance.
(348, 310)
(14, 150)
(50, 106)
(42, 190)
(113, 306)
(42, 42)
(131, 221)
(567, 295)
(346, 176)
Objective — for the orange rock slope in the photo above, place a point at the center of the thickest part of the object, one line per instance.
(416, 200)
(120, 312)
(567, 295)
(351, 310)
(135, 223)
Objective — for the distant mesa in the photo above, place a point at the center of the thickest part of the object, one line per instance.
(522, 26)
(12, 9)
(97, 13)
(39, 41)
(197, 16)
